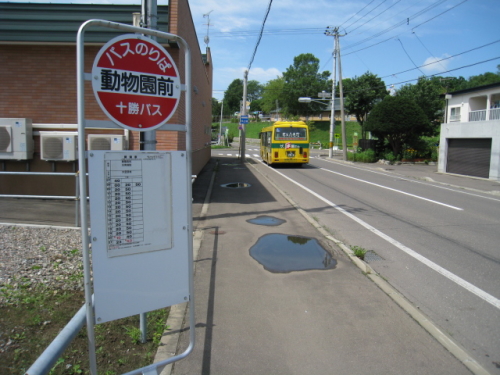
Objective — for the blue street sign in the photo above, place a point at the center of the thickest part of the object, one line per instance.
(244, 119)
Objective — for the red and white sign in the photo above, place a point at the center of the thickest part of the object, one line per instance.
(288, 145)
(136, 82)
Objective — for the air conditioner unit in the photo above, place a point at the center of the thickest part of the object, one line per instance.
(16, 138)
(59, 146)
(106, 142)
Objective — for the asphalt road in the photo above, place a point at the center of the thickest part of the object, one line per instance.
(436, 243)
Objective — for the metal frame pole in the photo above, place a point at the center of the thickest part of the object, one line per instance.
(83, 187)
(80, 63)
(244, 113)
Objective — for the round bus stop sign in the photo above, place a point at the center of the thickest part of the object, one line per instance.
(136, 82)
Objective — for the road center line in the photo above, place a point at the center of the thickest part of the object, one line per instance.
(395, 190)
(451, 276)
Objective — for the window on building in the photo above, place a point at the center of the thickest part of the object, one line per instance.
(455, 114)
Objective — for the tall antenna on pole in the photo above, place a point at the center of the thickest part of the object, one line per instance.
(207, 38)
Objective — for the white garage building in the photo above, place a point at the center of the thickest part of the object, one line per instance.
(470, 135)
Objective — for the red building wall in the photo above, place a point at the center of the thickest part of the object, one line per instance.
(38, 81)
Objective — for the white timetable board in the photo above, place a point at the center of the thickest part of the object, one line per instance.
(139, 231)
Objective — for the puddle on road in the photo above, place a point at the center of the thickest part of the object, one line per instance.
(269, 221)
(236, 185)
(280, 253)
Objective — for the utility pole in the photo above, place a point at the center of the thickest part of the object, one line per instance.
(336, 52)
(243, 113)
(328, 32)
(341, 93)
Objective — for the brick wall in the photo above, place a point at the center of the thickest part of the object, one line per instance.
(39, 82)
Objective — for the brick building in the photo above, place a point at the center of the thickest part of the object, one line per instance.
(38, 83)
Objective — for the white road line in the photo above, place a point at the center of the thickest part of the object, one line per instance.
(451, 276)
(397, 191)
(427, 183)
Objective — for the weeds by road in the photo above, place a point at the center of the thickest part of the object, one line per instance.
(31, 316)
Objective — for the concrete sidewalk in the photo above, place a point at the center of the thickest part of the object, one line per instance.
(253, 321)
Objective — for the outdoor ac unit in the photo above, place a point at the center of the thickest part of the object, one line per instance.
(59, 146)
(106, 142)
(16, 138)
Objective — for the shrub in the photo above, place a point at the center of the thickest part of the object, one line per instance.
(389, 156)
(367, 156)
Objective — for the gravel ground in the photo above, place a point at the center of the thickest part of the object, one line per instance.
(46, 255)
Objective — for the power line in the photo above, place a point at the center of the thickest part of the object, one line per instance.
(355, 14)
(375, 15)
(393, 27)
(448, 71)
(260, 35)
(385, 10)
(367, 13)
(245, 33)
(447, 10)
(402, 22)
(443, 59)
(430, 53)
(413, 62)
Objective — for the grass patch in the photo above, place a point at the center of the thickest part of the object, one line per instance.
(32, 316)
(367, 156)
(359, 252)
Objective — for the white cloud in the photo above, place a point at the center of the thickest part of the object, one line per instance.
(434, 65)
(263, 75)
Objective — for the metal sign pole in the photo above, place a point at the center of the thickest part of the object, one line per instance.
(83, 185)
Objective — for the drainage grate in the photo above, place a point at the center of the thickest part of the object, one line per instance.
(236, 185)
(372, 256)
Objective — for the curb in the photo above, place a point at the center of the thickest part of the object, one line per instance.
(170, 339)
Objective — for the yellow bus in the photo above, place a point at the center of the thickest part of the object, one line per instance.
(285, 142)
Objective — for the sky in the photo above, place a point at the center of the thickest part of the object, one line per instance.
(398, 40)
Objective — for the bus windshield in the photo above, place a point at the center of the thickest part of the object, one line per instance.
(290, 134)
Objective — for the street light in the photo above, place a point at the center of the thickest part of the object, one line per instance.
(305, 100)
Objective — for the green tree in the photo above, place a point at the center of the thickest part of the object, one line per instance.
(303, 79)
(398, 120)
(451, 84)
(361, 94)
(427, 93)
(475, 81)
(233, 96)
(216, 107)
(254, 90)
(271, 94)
